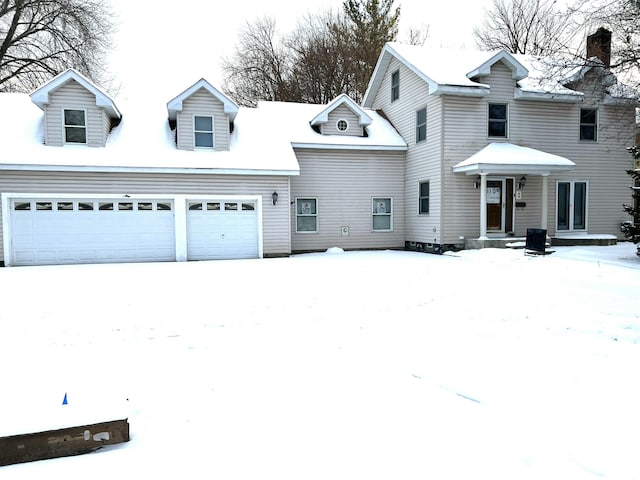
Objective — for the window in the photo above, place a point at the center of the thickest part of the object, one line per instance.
(342, 125)
(203, 132)
(306, 215)
(423, 198)
(395, 85)
(421, 125)
(589, 124)
(497, 120)
(382, 214)
(75, 127)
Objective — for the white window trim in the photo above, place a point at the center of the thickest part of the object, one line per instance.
(212, 132)
(572, 230)
(306, 232)
(345, 121)
(390, 214)
(507, 122)
(597, 124)
(64, 126)
(420, 182)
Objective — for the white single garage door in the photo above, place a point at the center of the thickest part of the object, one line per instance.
(91, 230)
(222, 228)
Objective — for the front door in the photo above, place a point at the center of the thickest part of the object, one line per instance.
(572, 206)
(500, 205)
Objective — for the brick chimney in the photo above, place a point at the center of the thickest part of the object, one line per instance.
(599, 45)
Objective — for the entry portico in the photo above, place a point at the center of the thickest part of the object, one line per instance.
(503, 167)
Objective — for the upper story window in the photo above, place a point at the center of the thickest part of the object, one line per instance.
(75, 126)
(382, 214)
(421, 125)
(202, 132)
(497, 125)
(342, 125)
(423, 199)
(589, 124)
(395, 85)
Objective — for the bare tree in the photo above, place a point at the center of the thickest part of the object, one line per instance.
(260, 68)
(41, 38)
(417, 35)
(533, 27)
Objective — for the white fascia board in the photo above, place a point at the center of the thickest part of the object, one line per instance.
(529, 169)
(479, 91)
(324, 146)
(152, 170)
(175, 105)
(518, 71)
(520, 94)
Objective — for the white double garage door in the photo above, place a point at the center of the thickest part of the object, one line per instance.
(61, 229)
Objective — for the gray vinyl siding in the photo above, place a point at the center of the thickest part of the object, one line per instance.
(344, 183)
(72, 95)
(204, 104)
(342, 113)
(552, 127)
(275, 221)
(424, 160)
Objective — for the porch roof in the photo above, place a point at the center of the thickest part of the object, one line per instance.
(503, 158)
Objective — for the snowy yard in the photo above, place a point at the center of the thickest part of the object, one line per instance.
(386, 365)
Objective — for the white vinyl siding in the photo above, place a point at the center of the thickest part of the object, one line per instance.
(276, 219)
(202, 103)
(342, 113)
(73, 96)
(344, 182)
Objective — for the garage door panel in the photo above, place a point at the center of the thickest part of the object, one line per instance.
(61, 231)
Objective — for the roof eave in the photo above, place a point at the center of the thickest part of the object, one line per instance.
(520, 94)
(525, 169)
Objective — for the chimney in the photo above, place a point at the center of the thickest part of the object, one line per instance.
(599, 45)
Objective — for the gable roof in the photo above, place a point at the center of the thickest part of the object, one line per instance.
(450, 71)
(343, 99)
(40, 96)
(175, 105)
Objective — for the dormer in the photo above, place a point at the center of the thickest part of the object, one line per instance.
(342, 117)
(76, 112)
(203, 118)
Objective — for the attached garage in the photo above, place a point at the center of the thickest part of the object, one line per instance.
(41, 229)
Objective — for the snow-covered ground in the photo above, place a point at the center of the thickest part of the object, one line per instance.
(361, 365)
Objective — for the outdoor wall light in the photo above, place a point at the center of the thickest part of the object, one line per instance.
(522, 182)
(274, 197)
(477, 182)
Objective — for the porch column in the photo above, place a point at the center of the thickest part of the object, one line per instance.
(545, 201)
(483, 206)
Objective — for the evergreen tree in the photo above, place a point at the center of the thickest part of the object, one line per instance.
(631, 229)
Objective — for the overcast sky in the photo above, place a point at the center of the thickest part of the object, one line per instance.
(177, 43)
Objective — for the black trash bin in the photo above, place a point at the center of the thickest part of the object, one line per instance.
(536, 240)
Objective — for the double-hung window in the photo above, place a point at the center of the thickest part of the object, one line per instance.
(382, 214)
(497, 124)
(589, 124)
(203, 132)
(423, 198)
(421, 125)
(306, 215)
(75, 126)
(395, 85)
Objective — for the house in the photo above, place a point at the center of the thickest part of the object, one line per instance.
(498, 143)
(449, 149)
(83, 180)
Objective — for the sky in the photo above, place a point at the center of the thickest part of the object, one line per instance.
(184, 41)
(483, 364)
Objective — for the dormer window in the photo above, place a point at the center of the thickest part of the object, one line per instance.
(342, 125)
(203, 132)
(75, 126)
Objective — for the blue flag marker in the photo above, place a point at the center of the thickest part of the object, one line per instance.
(64, 401)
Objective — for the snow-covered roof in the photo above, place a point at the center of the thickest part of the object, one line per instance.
(451, 71)
(343, 99)
(261, 143)
(229, 106)
(502, 157)
(40, 96)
